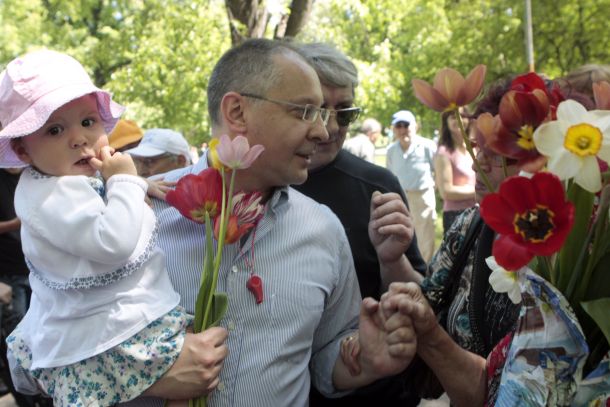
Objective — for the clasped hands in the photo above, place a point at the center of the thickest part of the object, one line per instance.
(398, 321)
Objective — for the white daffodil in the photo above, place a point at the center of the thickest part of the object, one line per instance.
(573, 141)
(504, 281)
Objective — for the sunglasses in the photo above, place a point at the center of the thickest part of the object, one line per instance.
(401, 125)
(346, 116)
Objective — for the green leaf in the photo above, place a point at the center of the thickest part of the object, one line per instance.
(598, 310)
(220, 303)
(571, 256)
(598, 286)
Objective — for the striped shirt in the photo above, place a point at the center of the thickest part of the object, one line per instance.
(311, 298)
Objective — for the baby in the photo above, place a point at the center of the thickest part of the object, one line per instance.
(104, 322)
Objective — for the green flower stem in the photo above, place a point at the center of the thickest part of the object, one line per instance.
(599, 228)
(470, 150)
(545, 269)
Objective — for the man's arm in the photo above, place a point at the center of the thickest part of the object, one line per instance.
(461, 373)
(391, 232)
(10, 225)
(386, 347)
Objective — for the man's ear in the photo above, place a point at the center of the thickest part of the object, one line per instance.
(232, 110)
(19, 150)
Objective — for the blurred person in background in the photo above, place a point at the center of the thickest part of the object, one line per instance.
(455, 177)
(14, 274)
(411, 159)
(161, 150)
(581, 80)
(363, 144)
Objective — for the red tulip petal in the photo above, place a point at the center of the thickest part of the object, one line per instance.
(511, 254)
(449, 83)
(429, 96)
(549, 188)
(473, 85)
(497, 214)
(518, 193)
(528, 82)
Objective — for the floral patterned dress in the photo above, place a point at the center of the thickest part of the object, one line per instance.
(477, 317)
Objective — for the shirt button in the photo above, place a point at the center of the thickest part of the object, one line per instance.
(234, 269)
(221, 386)
(231, 326)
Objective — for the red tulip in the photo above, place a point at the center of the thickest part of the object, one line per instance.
(525, 106)
(532, 217)
(450, 90)
(246, 210)
(195, 195)
(235, 229)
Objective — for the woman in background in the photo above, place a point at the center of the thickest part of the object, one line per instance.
(455, 178)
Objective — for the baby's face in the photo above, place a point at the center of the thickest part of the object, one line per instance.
(68, 140)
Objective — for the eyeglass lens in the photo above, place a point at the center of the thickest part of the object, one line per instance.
(401, 125)
(310, 114)
(347, 116)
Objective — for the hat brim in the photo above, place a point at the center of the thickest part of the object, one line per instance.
(39, 112)
(145, 150)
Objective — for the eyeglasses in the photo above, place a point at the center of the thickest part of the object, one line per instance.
(150, 161)
(310, 112)
(346, 116)
(401, 125)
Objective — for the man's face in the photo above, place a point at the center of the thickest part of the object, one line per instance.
(158, 164)
(289, 141)
(404, 132)
(334, 99)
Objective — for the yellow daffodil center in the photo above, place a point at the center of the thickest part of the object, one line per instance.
(535, 225)
(510, 275)
(526, 137)
(583, 140)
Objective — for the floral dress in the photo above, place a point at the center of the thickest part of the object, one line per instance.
(477, 317)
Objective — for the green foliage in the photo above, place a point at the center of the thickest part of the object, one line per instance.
(156, 55)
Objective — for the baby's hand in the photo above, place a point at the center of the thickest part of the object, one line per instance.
(350, 349)
(158, 188)
(110, 163)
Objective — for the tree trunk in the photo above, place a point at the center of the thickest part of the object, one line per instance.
(252, 14)
(299, 13)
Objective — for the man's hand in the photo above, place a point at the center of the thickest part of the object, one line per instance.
(196, 370)
(387, 344)
(390, 227)
(6, 293)
(110, 163)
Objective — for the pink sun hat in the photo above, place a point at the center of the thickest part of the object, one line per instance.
(33, 86)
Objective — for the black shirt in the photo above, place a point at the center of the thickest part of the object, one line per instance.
(11, 256)
(346, 186)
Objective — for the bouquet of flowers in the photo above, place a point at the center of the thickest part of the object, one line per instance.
(207, 198)
(553, 233)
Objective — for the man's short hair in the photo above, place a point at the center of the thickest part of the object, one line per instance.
(332, 66)
(370, 125)
(246, 68)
